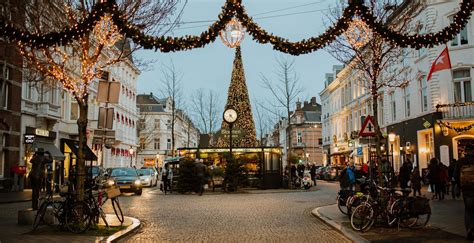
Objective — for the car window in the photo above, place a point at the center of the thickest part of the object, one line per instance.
(124, 172)
(144, 171)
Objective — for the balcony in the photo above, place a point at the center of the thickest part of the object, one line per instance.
(456, 110)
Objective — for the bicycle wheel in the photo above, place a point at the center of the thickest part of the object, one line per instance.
(399, 212)
(363, 217)
(353, 202)
(117, 209)
(40, 215)
(421, 221)
(78, 217)
(341, 204)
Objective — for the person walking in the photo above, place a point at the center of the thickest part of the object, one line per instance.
(200, 173)
(416, 181)
(442, 180)
(464, 173)
(455, 187)
(404, 175)
(166, 178)
(312, 172)
(433, 176)
(351, 176)
(36, 176)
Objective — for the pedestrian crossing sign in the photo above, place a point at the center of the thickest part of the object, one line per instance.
(368, 128)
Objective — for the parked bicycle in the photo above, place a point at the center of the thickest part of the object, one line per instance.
(70, 214)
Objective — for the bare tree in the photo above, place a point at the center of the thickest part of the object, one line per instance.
(172, 90)
(76, 65)
(204, 105)
(375, 61)
(263, 121)
(285, 89)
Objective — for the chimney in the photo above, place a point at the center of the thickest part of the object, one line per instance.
(305, 104)
(298, 105)
(313, 101)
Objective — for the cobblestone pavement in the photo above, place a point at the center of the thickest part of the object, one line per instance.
(256, 216)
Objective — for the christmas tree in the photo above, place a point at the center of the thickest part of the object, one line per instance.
(238, 99)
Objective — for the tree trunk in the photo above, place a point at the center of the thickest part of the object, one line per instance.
(80, 161)
(378, 133)
(172, 129)
(288, 154)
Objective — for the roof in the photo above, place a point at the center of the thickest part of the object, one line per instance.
(312, 116)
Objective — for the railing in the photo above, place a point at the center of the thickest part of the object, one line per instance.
(457, 110)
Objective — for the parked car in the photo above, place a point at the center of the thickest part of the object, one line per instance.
(126, 179)
(320, 172)
(148, 177)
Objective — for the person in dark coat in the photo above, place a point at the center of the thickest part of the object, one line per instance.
(455, 187)
(405, 173)
(312, 172)
(36, 177)
(200, 172)
(442, 180)
(416, 181)
(433, 176)
(465, 165)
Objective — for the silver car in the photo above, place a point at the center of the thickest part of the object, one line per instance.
(148, 177)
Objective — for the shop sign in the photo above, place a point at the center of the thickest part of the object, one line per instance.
(42, 132)
(359, 151)
(29, 138)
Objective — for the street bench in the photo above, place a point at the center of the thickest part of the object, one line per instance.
(217, 181)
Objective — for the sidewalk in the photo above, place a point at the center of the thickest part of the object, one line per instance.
(446, 225)
(14, 197)
(10, 231)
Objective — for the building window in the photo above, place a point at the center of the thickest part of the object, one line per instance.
(423, 94)
(462, 85)
(157, 144)
(5, 95)
(74, 109)
(393, 106)
(320, 141)
(406, 100)
(53, 95)
(461, 38)
(168, 144)
(299, 137)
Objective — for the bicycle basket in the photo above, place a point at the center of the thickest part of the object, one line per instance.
(420, 206)
(112, 192)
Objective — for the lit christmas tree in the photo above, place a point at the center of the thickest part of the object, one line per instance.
(238, 99)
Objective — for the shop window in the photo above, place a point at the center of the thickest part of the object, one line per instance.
(462, 85)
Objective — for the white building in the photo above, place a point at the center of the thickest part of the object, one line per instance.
(155, 130)
(408, 115)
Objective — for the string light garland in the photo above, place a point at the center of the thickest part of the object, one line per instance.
(458, 130)
(358, 34)
(457, 104)
(234, 8)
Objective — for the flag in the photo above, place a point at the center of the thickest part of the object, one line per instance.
(441, 63)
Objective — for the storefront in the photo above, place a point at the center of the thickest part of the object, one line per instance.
(70, 148)
(262, 164)
(36, 139)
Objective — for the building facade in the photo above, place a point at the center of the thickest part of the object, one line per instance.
(154, 132)
(418, 119)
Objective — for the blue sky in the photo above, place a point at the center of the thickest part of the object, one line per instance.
(211, 67)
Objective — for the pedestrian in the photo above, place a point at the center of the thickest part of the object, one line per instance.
(455, 188)
(365, 169)
(442, 179)
(433, 176)
(404, 175)
(344, 179)
(312, 171)
(36, 176)
(200, 172)
(351, 176)
(167, 178)
(464, 173)
(416, 181)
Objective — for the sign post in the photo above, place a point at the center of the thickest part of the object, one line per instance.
(368, 130)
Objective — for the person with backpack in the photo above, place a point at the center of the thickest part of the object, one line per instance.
(166, 178)
(442, 180)
(351, 176)
(464, 173)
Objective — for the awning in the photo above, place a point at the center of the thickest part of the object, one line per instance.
(341, 153)
(51, 148)
(74, 146)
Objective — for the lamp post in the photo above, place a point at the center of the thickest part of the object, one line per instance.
(391, 139)
(130, 151)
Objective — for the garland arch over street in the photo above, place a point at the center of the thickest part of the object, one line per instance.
(235, 8)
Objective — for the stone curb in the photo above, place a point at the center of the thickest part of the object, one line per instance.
(125, 232)
(16, 201)
(344, 230)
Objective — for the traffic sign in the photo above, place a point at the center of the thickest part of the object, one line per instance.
(368, 129)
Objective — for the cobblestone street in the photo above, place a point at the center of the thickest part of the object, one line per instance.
(253, 216)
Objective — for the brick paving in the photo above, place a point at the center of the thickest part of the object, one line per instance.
(273, 215)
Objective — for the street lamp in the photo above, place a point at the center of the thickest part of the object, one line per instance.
(391, 139)
(130, 151)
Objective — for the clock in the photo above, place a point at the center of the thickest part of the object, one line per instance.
(230, 115)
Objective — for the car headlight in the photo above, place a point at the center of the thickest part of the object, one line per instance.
(147, 179)
(138, 182)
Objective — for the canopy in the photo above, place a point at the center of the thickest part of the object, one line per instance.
(51, 148)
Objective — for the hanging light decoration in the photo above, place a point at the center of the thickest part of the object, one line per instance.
(106, 31)
(233, 34)
(358, 34)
